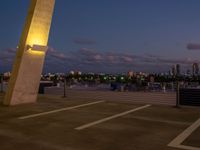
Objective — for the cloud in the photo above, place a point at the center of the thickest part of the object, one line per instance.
(192, 46)
(87, 51)
(60, 56)
(84, 41)
(7, 54)
(127, 59)
(108, 58)
(91, 60)
(6, 59)
(11, 50)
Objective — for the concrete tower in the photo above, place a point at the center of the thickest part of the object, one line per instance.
(24, 82)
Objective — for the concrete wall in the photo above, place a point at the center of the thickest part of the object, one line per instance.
(26, 73)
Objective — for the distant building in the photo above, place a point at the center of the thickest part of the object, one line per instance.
(79, 73)
(178, 69)
(152, 79)
(188, 72)
(72, 72)
(195, 69)
(173, 70)
(7, 74)
(130, 73)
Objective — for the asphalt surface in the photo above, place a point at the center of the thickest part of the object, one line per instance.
(150, 128)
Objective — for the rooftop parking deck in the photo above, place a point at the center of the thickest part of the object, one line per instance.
(80, 122)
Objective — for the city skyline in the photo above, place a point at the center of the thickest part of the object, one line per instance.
(110, 36)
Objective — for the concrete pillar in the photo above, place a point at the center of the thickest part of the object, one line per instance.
(25, 78)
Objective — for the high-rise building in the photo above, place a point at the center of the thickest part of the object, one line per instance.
(178, 69)
(173, 71)
(195, 69)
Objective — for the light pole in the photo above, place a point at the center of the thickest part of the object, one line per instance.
(65, 83)
(1, 81)
(177, 94)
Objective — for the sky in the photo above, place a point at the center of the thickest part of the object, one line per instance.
(112, 36)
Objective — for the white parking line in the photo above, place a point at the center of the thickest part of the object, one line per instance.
(187, 147)
(109, 118)
(59, 110)
(186, 133)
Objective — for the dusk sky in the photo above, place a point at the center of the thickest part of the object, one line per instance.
(111, 36)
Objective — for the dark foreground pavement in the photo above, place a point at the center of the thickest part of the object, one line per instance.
(150, 128)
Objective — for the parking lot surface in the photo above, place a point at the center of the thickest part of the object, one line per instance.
(56, 123)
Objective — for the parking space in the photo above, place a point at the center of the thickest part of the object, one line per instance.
(125, 126)
(194, 139)
(180, 140)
